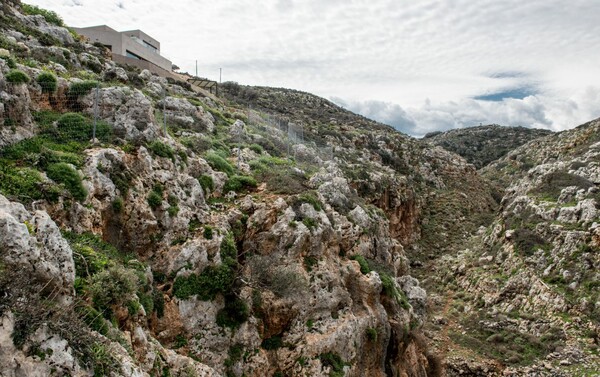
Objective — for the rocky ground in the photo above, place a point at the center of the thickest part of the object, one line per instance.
(223, 246)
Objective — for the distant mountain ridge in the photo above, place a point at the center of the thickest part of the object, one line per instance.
(481, 145)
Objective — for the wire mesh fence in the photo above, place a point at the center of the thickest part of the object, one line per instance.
(87, 111)
(297, 146)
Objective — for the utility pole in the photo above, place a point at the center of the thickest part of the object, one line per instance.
(196, 68)
(220, 71)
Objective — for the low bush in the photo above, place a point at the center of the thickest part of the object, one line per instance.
(208, 232)
(258, 149)
(272, 343)
(23, 184)
(47, 82)
(238, 183)
(372, 334)
(364, 265)
(233, 314)
(279, 175)
(206, 285)
(527, 241)
(65, 174)
(310, 197)
(334, 362)
(283, 281)
(390, 290)
(228, 250)
(310, 223)
(219, 163)
(74, 127)
(81, 88)
(207, 183)
(154, 199)
(10, 62)
(50, 16)
(15, 76)
(113, 286)
(161, 150)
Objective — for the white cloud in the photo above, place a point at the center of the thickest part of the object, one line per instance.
(400, 53)
(536, 111)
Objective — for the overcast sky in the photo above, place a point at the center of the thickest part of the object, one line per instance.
(419, 66)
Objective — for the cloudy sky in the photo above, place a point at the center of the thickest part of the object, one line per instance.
(419, 66)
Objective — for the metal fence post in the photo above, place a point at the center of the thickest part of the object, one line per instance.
(165, 110)
(97, 94)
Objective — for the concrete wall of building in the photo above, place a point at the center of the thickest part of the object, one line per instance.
(121, 43)
(142, 64)
(143, 36)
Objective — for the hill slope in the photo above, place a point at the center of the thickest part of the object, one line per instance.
(483, 144)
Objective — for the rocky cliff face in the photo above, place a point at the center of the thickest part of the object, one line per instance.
(482, 145)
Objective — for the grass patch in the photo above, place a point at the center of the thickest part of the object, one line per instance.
(239, 183)
(219, 163)
(15, 76)
(64, 174)
(161, 150)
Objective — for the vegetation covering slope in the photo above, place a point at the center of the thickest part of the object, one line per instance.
(480, 145)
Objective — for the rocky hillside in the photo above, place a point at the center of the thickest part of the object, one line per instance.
(522, 294)
(483, 144)
(269, 232)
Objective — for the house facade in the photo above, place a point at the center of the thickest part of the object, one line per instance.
(129, 47)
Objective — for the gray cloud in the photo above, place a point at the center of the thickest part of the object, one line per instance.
(540, 53)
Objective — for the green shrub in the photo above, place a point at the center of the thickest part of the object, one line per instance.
(238, 183)
(73, 127)
(390, 290)
(256, 148)
(173, 209)
(154, 199)
(364, 265)
(180, 341)
(113, 286)
(272, 343)
(309, 223)
(213, 280)
(65, 174)
(15, 76)
(9, 61)
(208, 232)
(47, 81)
(278, 175)
(219, 163)
(161, 149)
(79, 89)
(334, 362)
(117, 204)
(310, 198)
(526, 241)
(233, 314)
(228, 250)
(372, 334)
(50, 16)
(22, 183)
(207, 183)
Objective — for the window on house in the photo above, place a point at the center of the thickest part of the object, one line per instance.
(132, 55)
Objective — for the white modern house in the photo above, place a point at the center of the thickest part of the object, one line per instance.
(132, 47)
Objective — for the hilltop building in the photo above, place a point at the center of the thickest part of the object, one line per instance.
(133, 47)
